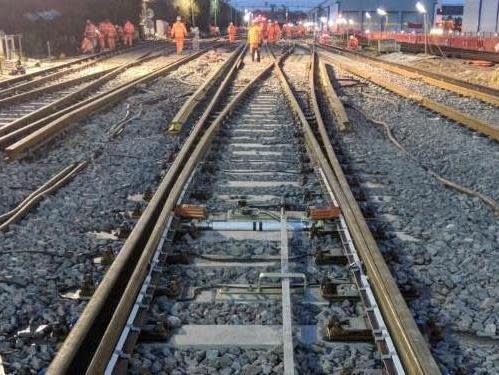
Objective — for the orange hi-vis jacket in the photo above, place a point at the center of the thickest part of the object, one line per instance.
(128, 28)
(91, 31)
(108, 30)
(277, 31)
(231, 30)
(255, 36)
(178, 30)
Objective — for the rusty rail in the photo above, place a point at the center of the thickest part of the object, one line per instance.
(183, 114)
(56, 182)
(90, 343)
(410, 344)
(484, 93)
(449, 112)
(70, 98)
(45, 90)
(334, 101)
(38, 133)
(11, 85)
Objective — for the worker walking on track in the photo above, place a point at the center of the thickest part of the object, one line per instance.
(277, 31)
(128, 32)
(120, 36)
(273, 31)
(255, 40)
(102, 35)
(179, 32)
(110, 34)
(232, 31)
(91, 33)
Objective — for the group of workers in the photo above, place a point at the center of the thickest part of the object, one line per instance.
(262, 32)
(106, 36)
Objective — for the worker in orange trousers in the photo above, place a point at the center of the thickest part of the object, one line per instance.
(272, 32)
(255, 40)
(91, 33)
(102, 35)
(128, 32)
(232, 31)
(110, 34)
(179, 32)
(120, 35)
(276, 31)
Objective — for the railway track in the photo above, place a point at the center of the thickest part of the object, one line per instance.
(254, 213)
(483, 93)
(451, 52)
(35, 122)
(29, 103)
(478, 111)
(32, 80)
(66, 173)
(124, 143)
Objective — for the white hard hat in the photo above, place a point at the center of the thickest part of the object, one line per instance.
(179, 18)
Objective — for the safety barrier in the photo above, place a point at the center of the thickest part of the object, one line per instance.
(474, 43)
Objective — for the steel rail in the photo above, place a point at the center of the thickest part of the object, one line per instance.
(113, 331)
(47, 184)
(38, 133)
(47, 75)
(78, 350)
(55, 183)
(185, 111)
(413, 348)
(334, 101)
(72, 97)
(48, 89)
(287, 319)
(449, 112)
(484, 93)
(410, 344)
(446, 51)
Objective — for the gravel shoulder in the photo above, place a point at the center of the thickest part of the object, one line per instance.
(454, 68)
(440, 243)
(473, 108)
(58, 245)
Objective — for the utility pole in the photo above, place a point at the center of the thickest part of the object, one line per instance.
(422, 9)
(191, 3)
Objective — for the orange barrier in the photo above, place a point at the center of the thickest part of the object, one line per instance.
(474, 43)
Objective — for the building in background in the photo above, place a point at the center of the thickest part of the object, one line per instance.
(362, 14)
(481, 16)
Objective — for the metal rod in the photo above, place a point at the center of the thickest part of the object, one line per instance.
(256, 226)
(287, 323)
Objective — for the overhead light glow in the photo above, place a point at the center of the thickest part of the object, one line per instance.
(351, 21)
(246, 17)
(420, 7)
(323, 19)
(341, 21)
(381, 12)
(368, 15)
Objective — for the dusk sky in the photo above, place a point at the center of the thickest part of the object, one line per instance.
(296, 4)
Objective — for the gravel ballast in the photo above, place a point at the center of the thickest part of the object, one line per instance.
(53, 249)
(439, 242)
